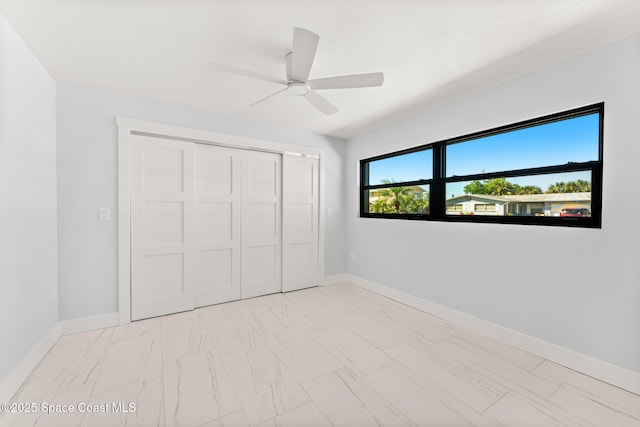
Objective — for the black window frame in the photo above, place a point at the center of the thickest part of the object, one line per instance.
(437, 184)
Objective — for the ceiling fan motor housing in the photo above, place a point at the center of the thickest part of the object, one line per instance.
(297, 88)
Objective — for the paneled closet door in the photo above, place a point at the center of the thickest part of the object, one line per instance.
(300, 222)
(218, 191)
(162, 246)
(261, 224)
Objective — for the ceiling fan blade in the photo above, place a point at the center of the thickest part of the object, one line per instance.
(267, 97)
(246, 73)
(320, 103)
(347, 82)
(305, 44)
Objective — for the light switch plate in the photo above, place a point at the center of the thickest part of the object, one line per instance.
(104, 214)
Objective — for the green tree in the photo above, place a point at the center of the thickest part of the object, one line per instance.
(476, 187)
(417, 204)
(501, 187)
(530, 189)
(390, 200)
(577, 186)
(396, 196)
(425, 202)
(380, 205)
(558, 187)
(398, 200)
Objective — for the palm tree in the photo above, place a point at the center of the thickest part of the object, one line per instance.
(381, 205)
(501, 187)
(558, 187)
(577, 186)
(530, 189)
(394, 196)
(421, 205)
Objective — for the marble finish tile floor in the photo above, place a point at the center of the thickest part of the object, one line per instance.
(327, 356)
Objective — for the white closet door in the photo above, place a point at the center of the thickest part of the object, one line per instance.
(162, 247)
(261, 224)
(218, 187)
(300, 222)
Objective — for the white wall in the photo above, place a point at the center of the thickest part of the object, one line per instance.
(578, 288)
(28, 263)
(87, 169)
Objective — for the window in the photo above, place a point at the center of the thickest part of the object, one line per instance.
(484, 207)
(400, 184)
(531, 172)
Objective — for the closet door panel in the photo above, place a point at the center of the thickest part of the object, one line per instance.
(261, 224)
(162, 249)
(300, 222)
(218, 188)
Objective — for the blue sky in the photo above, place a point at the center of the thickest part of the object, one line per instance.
(572, 140)
(408, 167)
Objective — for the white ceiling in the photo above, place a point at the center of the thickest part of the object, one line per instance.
(431, 51)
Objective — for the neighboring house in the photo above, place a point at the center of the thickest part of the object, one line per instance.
(521, 205)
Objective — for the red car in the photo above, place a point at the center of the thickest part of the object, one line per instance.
(576, 212)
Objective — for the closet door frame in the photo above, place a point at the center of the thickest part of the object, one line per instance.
(128, 126)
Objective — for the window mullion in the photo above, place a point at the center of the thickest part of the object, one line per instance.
(437, 187)
(364, 179)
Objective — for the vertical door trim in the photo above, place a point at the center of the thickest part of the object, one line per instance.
(127, 127)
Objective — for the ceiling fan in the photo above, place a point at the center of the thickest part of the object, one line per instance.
(298, 66)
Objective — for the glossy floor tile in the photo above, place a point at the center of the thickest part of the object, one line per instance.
(328, 356)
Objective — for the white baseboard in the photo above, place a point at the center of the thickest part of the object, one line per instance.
(20, 373)
(335, 278)
(89, 323)
(604, 371)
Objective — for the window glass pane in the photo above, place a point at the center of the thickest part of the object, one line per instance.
(558, 195)
(406, 167)
(398, 200)
(571, 140)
